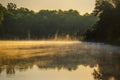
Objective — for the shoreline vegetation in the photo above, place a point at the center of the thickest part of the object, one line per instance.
(102, 25)
(107, 29)
(24, 24)
(55, 38)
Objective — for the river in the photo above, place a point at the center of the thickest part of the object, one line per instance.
(58, 60)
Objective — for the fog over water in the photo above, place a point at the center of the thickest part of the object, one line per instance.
(58, 60)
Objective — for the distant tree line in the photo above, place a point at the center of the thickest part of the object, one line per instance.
(22, 23)
(107, 29)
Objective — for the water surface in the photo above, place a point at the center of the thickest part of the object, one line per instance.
(58, 60)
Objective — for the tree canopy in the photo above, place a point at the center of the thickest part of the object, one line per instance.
(107, 29)
(21, 23)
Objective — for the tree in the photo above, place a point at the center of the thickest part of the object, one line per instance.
(11, 6)
(2, 10)
(22, 23)
(107, 29)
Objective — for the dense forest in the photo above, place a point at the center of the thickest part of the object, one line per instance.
(22, 23)
(102, 25)
(107, 29)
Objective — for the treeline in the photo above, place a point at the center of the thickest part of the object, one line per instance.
(22, 23)
(107, 29)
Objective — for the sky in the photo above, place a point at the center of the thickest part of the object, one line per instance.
(82, 6)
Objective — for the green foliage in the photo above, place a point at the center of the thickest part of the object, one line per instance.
(11, 6)
(2, 10)
(19, 23)
(107, 29)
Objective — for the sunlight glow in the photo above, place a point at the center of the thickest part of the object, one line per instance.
(36, 42)
(82, 6)
(27, 48)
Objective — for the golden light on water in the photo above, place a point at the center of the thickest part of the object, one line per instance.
(28, 48)
(58, 60)
(82, 73)
(3, 43)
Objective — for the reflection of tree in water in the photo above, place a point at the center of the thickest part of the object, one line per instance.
(107, 60)
(66, 61)
(109, 67)
(11, 65)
